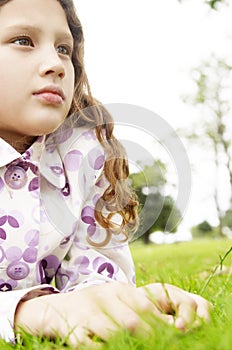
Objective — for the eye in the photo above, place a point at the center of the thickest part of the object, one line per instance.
(64, 50)
(23, 41)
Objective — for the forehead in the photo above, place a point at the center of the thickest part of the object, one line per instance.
(38, 13)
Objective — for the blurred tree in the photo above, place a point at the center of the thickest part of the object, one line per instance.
(213, 82)
(213, 3)
(204, 226)
(227, 219)
(155, 207)
(203, 229)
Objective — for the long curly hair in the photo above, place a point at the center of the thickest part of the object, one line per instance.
(118, 198)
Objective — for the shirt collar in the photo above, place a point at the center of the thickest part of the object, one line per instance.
(41, 154)
(8, 153)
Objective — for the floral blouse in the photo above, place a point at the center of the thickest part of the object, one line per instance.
(47, 200)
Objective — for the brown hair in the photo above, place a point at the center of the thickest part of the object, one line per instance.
(118, 198)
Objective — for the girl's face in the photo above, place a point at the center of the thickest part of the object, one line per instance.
(36, 71)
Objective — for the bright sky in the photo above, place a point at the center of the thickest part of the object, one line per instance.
(141, 53)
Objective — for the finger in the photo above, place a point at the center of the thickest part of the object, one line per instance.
(169, 319)
(185, 315)
(82, 337)
(146, 310)
(104, 325)
(203, 307)
(132, 310)
(121, 317)
(161, 295)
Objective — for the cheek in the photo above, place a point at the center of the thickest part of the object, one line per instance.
(11, 79)
(7, 88)
(70, 84)
(14, 71)
(5, 76)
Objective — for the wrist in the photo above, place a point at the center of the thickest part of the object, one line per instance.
(33, 315)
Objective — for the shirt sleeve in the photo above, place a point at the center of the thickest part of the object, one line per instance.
(87, 263)
(9, 302)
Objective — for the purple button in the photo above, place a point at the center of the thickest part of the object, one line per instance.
(18, 270)
(15, 177)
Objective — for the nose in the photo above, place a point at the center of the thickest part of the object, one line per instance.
(52, 65)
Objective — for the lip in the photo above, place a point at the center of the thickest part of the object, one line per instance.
(51, 93)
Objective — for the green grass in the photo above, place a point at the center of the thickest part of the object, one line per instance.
(190, 266)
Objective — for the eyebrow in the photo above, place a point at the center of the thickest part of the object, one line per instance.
(28, 28)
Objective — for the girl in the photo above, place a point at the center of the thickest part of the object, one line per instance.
(65, 208)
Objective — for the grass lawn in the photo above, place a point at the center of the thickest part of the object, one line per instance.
(189, 266)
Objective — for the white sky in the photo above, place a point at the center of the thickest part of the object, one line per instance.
(141, 52)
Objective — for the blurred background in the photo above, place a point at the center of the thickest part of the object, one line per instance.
(175, 59)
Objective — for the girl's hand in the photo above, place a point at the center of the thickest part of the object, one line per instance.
(104, 309)
(178, 307)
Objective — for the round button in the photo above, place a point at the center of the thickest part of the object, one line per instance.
(15, 177)
(17, 270)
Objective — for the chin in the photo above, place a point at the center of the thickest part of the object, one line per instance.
(47, 127)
